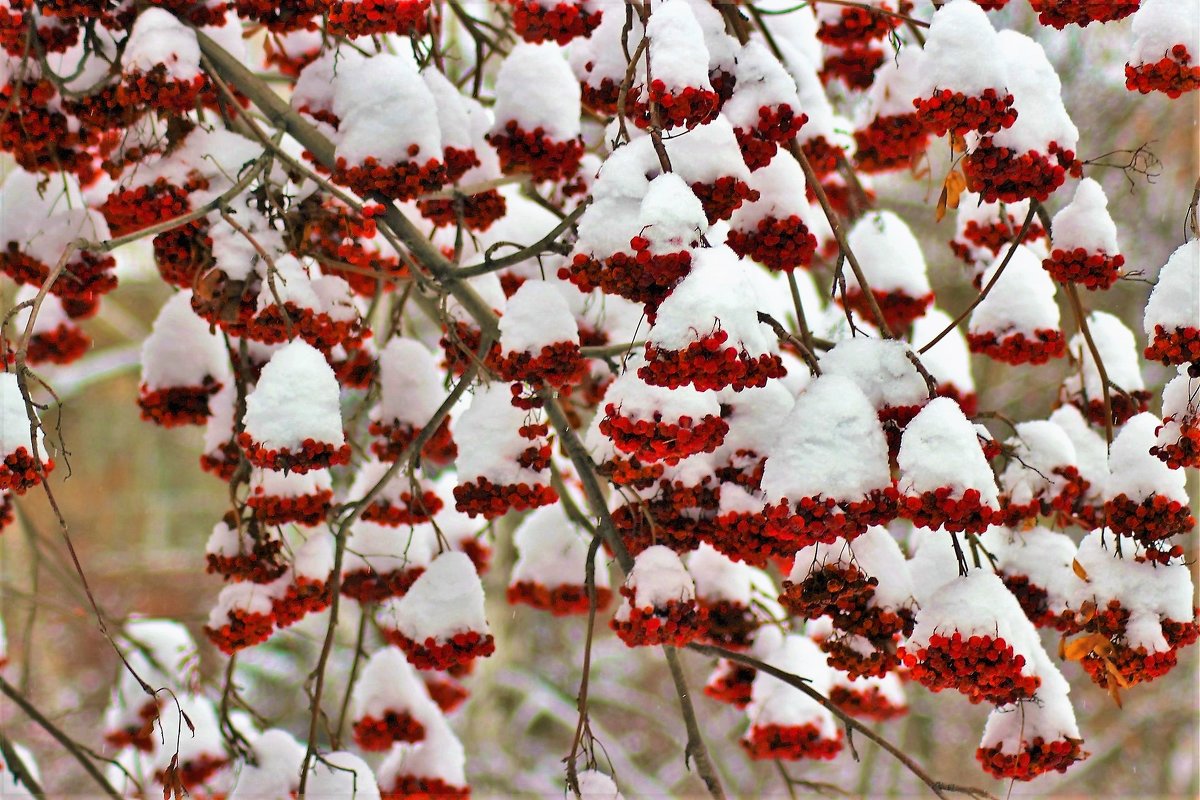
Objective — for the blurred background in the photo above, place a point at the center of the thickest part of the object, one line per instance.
(140, 510)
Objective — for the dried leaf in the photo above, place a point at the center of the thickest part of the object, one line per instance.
(952, 189)
(187, 721)
(1079, 648)
(1080, 571)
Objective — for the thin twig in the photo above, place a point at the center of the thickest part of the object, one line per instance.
(695, 743)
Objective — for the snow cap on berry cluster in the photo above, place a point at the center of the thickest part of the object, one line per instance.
(638, 400)
(780, 186)
(1135, 473)
(536, 89)
(1149, 591)
(1175, 301)
(1039, 448)
(374, 100)
(1085, 223)
(1048, 718)
(890, 255)
(962, 52)
(1091, 451)
(389, 683)
(535, 316)
(158, 38)
(718, 578)
(595, 785)
(761, 82)
(1118, 351)
(492, 424)
(438, 758)
(1037, 96)
(200, 741)
(897, 82)
(317, 85)
(453, 120)
(383, 549)
(658, 577)
(1160, 25)
(276, 773)
(716, 292)
(932, 562)
(948, 361)
(939, 448)
(242, 598)
(181, 350)
(1021, 301)
(14, 420)
(670, 217)
(1039, 554)
(410, 383)
(342, 774)
(976, 604)
(876, 552)
(813, 100)
(446, 600)
(753, 416)
(677, 49)
(707, 152)
(774, 702)
(880, 368)
(296, 398)
(830, 445)
(552, 552)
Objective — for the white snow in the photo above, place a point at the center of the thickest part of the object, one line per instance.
(341, 774)
(375, 101)
(636, 399)
(157, 38)
(719, 578)
(181, 350)
(1039, 447)
(446, 600)
(773, 702)
(1118, 350)
(410, 383)
(296, 398)
(1021, 302)
(939, 448)
(880, 368)
(535, 316)
(1150, 592)
(1159, 25)
(389, 683)
(1037, 96)
(1091, 451)
(949, 361)
(275, 483)
(962, 52)
(440, 756)
(244, 598)
(14, 421)
(536, 88)
(780, 185)
(876, 552)
(830, 445)
(490, 424)
(1175, 301)
(889, 254)
(1135, 473)
(1085, 222)
(761, 81)
(384, 549)
(552, 551)
(1040, 554)
(658, 577)
(678, 55)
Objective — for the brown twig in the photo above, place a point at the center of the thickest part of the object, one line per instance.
(695, 747)
(1081, 320)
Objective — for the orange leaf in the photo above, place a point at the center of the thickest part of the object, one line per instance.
(1080, 571)
(1077, 649)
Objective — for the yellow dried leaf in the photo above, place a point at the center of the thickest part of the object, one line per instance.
(1080, 571)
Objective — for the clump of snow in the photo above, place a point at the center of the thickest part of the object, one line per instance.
(761, 81)
(1085, 222)
(410, 383)
(876, 552)
(1150, 592)
(535, 316)
(1091, 451)
(1037, 95)
(880, 368)
(939, 448)
(830, 445)
(1135, 473)
(773, 702)
(1048, 718)
(977, 604)
(780, 186)
(491, 424)
(383, 549)
(658, 577)
(718, 578)
(14, 420)
(1038, 553)
(389, 683)
(446, 600)
(157, 38)
(949, 361)
(1160, 25)
(1175, 301)
(375, 101)
(551, 551)
(296, 398)
(1118, 351)
(440, 756)
(1022, 300)
(678, 55)
(962, 52)
(342, 774)
(595, 785)
(1039, 447)
(706, 152)
(536, 89)
(716, 292)
(889, 254)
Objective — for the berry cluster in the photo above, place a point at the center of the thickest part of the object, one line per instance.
(657, 440)
(982, 668)
(866, 703)
(457, 651)
(241, 630)
(778, 244)
(1019, 348)
(686, 107)
(1061, 13)
(477, 211)
(776, 125)
(481, 497)
(1153, 519)
(1000, 174)
(1093, 270)
(393, 438)
(1179, 346)
(899, 308)
(1124, 406)
(643, 277)
(310, 455)
(301, 597)
(536, 23)
(855, 65)
(708, 365)
(790, 742)
(558, 364)
(723, 196)
(890, 143)
(370, 586)
(676, 623)
(410, 510)
(1184, 451)
(949, 111)
(535, 153)
(370, 17)
(413, 787)
(377, 734)
(406, 180)
(1035, 758)
(1170, 74)
(61, 345)
(561, 601)
(19, 472)
(731, 683)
